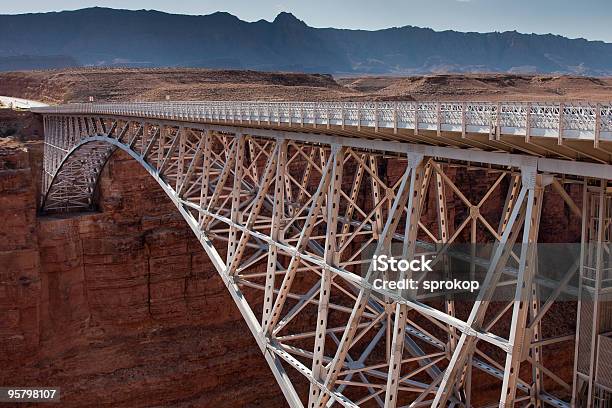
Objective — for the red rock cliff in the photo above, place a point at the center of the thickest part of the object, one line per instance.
(120, 307)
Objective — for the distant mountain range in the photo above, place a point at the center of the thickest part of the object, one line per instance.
(109, 37)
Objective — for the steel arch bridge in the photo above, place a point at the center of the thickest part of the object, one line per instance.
(290, 200)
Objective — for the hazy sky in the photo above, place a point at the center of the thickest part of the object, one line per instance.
(591, 19)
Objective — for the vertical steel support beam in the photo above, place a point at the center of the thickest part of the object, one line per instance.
(331, 258)
(253, 156)
(511, 196)
(415, 198)
(586, 218)
(235, 212)
(537, 378)
(376, 196)
(443, 237)
(182, 147)
(161, 146)
(206, 169)
(519, 337)
(275, 231)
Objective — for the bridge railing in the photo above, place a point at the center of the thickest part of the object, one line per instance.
(577, 120)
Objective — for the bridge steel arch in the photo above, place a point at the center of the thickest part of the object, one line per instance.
(290, 219)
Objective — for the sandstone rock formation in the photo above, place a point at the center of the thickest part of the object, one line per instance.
(119, 307)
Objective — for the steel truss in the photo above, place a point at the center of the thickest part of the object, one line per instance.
(288, 221)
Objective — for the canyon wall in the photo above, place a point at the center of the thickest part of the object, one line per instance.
(119, 307)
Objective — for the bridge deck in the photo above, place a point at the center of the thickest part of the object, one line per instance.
(576, 131)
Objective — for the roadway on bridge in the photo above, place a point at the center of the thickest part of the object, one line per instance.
(19, 103)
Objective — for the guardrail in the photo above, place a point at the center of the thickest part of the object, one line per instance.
(577, 120)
